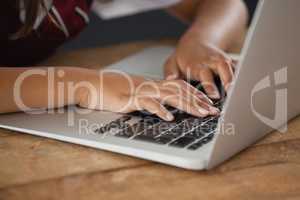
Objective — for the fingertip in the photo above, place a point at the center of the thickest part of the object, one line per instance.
(169, 116)
(209, 101)
(203, 112)
(214, 111)
(171, 69)
(212, 93)
(205, 98)
(171, 77)
(215, 95)
(166, 116)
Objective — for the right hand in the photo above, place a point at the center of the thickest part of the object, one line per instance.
(122, 93)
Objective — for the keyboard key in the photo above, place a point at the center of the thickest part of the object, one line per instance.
(157, 129)
(174, 133)
(121, 123)
(114, 131)
(150, 121)
(164, 139)
(125, 118)
(202, 130)
(115, 125)
(133, 130)
(125, 133)
(196, 133)
(151, 132)
(157, 140)
(101, 130)
(141, 114)
(183, 142)
(181, 116)
(193, 122)
(195, 146)
(206, 128)
(214, 120)
(202, 142)
(145, 138)
(207, 139)
(165, 126)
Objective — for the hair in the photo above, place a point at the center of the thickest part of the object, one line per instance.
(32, 10)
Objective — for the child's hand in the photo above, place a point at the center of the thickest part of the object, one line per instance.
(122, 93)
(197, 60)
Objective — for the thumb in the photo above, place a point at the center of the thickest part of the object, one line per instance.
(171, 69)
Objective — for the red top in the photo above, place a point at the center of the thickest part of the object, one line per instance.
(71, 17)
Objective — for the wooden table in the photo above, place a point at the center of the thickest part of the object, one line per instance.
(38, 168)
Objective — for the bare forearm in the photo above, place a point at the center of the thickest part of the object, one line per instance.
(219, 22)
(37, 88)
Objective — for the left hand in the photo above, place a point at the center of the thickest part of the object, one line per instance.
(198, 60)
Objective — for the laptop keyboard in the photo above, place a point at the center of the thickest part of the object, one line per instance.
(185, 131)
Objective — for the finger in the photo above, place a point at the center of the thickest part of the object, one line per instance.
(187, 106)
(197, 100)
(208, 83)
(187, 89)
(155, 107)
(190, 89)
(183, 89)
(172, 71)
(182, 103)
(226, 74)
(190, 97)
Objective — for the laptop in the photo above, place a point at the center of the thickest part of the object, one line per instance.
(264, 97)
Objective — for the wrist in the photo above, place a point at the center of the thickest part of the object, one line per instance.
(78, 81)
(198, 35)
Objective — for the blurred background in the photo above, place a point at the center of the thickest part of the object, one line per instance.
(145, 26)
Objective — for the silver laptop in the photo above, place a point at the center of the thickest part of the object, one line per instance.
(265, 96)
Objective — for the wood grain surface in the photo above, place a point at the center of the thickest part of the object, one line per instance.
(38, 168)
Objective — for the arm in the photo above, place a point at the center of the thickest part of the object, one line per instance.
(217, 21)
(215, 25)
(35, 90)
(24, 89)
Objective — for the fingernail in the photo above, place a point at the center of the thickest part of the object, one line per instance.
(171, 77)
(170, 117)
(214, 110)
(215, 95)
(203, 111)
(210, 101)
(206, 99)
